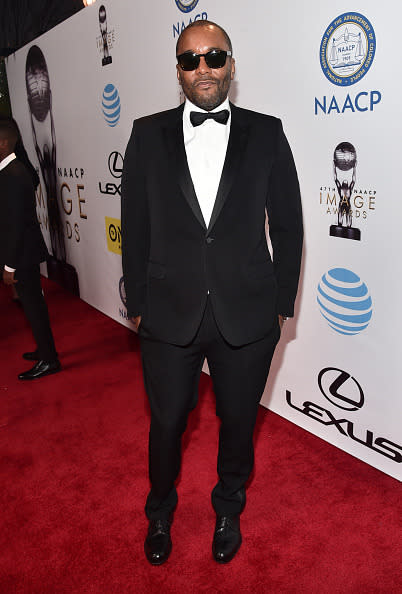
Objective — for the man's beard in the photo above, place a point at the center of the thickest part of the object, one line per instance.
(208, 101)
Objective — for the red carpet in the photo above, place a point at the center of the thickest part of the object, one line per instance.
(73, 484)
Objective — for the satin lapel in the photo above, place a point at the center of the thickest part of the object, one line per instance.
(175, 142)
(236, 147)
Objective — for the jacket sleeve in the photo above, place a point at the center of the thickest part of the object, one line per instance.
(285, 223)
(15, 191)
(134, 225)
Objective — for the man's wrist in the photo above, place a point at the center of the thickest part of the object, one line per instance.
(9, 269)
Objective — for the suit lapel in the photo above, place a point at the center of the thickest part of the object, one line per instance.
(175, 142)
(234, 154)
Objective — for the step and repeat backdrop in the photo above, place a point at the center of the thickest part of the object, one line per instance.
(330, 70)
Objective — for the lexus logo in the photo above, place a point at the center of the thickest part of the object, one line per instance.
(115, 163)
(340, 388)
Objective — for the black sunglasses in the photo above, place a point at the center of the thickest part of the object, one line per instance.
(214, 58)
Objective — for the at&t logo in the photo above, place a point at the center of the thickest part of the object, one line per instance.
(344, 301)
(111, 105)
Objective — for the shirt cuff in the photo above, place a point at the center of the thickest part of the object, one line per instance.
(8, 269)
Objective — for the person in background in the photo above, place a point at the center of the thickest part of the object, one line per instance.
(22, 247)
(22, 155)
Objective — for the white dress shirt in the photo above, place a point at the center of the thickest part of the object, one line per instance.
(3, 164)
(206, 147)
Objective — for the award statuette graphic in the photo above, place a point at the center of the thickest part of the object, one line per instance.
(107, 59)
(345, 161)
(40, 106)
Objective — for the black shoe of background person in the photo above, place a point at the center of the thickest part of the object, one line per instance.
(158, 543)
(40, 369)
(227, 538)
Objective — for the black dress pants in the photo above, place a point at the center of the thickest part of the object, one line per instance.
(29, 291)
(171, 375)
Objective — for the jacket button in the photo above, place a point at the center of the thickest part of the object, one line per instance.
(210, 239)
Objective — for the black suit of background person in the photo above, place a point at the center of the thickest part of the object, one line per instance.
(207, 290)
(22, 247)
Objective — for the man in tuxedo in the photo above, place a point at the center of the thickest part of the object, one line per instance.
(22, 248)
(197, 183)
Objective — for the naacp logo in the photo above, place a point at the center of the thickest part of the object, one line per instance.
(115, 163)
(122, 291)
(186, 5)
(111, 105)
(347, 49)
(340, 388)
(344, 301)
(123, 310)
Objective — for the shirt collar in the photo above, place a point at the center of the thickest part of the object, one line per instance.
(188, 107)
(7, 160)
(188, 128)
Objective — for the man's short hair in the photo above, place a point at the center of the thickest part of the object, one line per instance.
(205, 23)
(9, 132)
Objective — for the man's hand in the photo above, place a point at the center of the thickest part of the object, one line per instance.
(8, 278)
(136, 321)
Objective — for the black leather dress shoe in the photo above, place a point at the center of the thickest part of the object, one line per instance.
(158, 542)
(227, 538)
(33, 356)
(40, 369)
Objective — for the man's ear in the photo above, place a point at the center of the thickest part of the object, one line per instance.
(178, 73)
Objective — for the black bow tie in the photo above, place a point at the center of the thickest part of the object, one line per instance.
(198, 117)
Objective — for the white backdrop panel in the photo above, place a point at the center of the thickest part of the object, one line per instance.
(277, 51)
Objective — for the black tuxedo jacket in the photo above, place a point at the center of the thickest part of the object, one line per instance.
(171, 259)
(21, 241)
